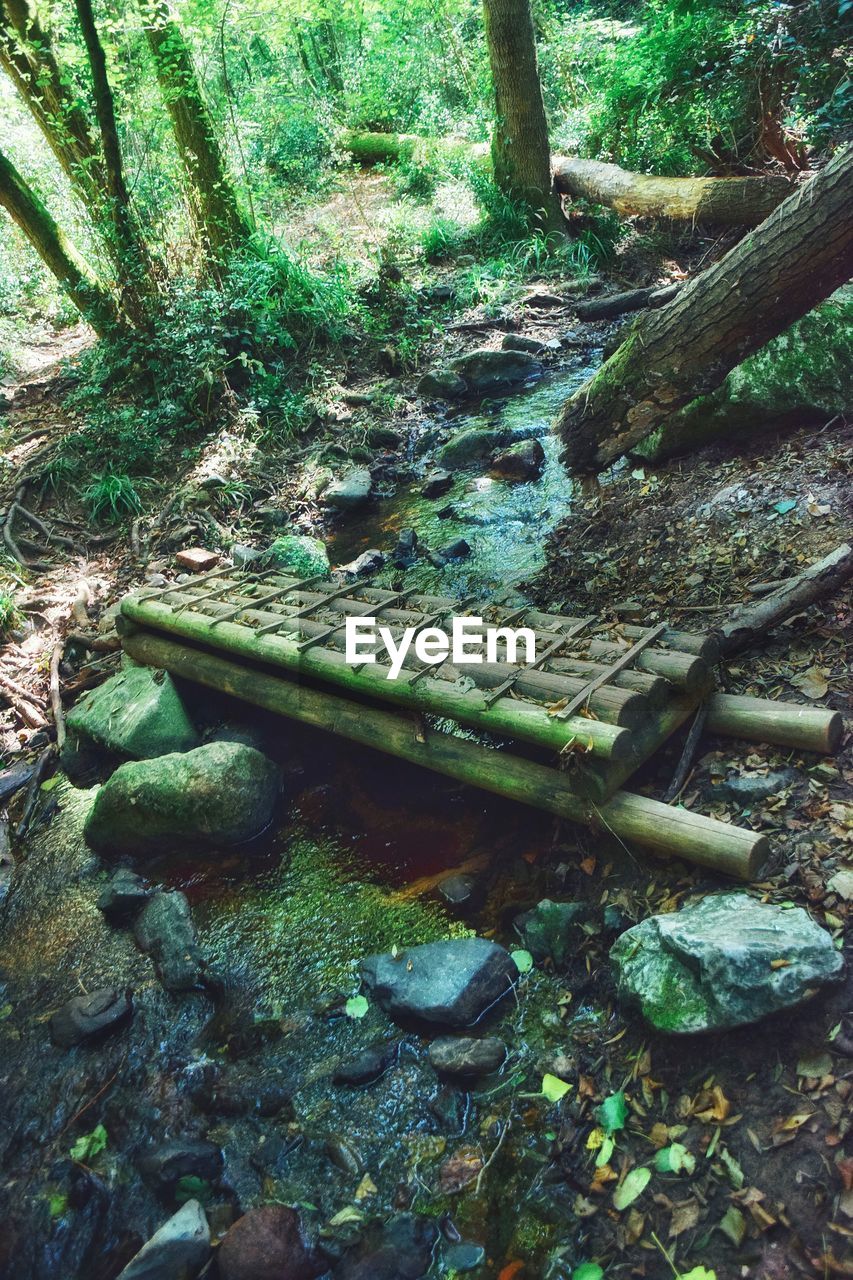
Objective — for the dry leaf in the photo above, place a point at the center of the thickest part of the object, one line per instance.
(685, 1216)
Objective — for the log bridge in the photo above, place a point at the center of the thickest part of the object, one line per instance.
(563, 733)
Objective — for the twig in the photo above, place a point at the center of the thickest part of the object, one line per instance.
(679, 778)
(41, 768)
(22, 702)
(496, 1149)
(56, 693)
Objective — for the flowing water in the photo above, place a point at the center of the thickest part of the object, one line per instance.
(349, 869)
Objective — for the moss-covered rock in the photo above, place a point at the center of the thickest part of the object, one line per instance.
(804, 374)
(219, 794)
(136, 713)
(300, 554)
(715, 964)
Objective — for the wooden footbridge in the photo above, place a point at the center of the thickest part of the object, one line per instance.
(563, 733)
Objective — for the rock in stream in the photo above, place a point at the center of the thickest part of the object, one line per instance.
(450, 983)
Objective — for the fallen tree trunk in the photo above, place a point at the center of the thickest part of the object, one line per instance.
(618, 304)
(771, 278)
(752, 621)
(728, 202)
(722, 201)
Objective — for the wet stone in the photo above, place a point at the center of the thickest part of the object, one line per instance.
(403, 1252)
(165, 1164)
(746, 789)
(456, 550)
(179, 1248)
(521, 461)
(349, 491)
(124, 896)
(465, 1056)
(406, 550)
(165, 930)
(437, 484)
(368, 562)
(87, 1017)
(369, 1065)
(241, 1091)
(458, 890)
(444, 384)
(463, 1257)
(137, 712)
(486, 371)
(450, 983)
(268, 1243)
(552, 930)
(535, 346)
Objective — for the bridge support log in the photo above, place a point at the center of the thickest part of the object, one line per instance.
(667, 831)
(785, 724)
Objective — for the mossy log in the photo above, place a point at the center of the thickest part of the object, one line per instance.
(718, 201)
(524, 720)
(667, 831)
(795, 259)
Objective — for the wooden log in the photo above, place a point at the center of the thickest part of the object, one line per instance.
(785, 724)
(617, 304)
(720, 201)
(751, 622)
(616, 706)
(665, 830)
(506, 716)
(728, 202)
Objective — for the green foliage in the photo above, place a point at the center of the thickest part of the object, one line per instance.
(111, 497)
(612, 1113)
(90, 1145)
(10, 615)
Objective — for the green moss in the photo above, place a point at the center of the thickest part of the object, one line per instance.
(804, 372)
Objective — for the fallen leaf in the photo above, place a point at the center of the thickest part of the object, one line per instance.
(367, 1187)
(631, 1188)
(814, 1065)
(612, 1113)
(460, 1170)
(684, 1218)
(553, 1088)
(812, 683)
(733, 1225)
(711, 1105)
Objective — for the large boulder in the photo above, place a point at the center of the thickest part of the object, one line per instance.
(177, 1251)
(268, 1243)
(220, 794)
(473, 445)
(300, 554)
(521, 461)
(450, 983)
(164, 930)
(349, 491)
(138, 713)
(724, 962)
(803, 375)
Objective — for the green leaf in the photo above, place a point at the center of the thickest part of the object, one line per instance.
(675, 1159)
(697, 1273)
(634, 1185)
(553, 1088)
(733, 1225)
(588, 1271)
(605, 1152)
(192, 1188)
(50, 783)
(90, 1144)
(612, 1113)
(523, 961)
(57, 1202)
(5, 1011)
(814, 1064)
(356, 1007)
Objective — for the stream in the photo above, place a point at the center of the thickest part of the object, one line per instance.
(351, 868)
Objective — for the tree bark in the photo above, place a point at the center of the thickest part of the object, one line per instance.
(521, 155)
(771, 278)
(215, 208)
(87, 292)
(723, 201)
(130, 249)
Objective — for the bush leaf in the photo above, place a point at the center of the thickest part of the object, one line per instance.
(634, 1185)
(612, 1113)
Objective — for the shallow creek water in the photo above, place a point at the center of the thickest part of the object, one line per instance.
(350, 869)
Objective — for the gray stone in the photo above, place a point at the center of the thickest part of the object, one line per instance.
(473, 445)
(458, 549)
(349, 491)
(534, 346)
(458, 890)
(125, 894)
(450, 983)
(165, 930)
(244, 556)
(402, 1252)
(436, 484)
(177, 1251)
(379, 437)
(444, 384)
(223, 793)
(137, 712)
(369, 1065)
(521, 461)
(486, 371)
(87, 1017)
(746, 788)
(236, 1089)
(165, 1164)
(711, 965)
(368, 562)
(406, 550)
(300, 554)
(465, 1056)
(462, 1257)
(551, 931)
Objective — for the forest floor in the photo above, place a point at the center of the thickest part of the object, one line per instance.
(768, 1115)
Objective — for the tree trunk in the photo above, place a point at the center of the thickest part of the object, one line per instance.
(130, 250)
(723, 201)
(216, 211)
(771, 278)
(520, 151)
(56, 250)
